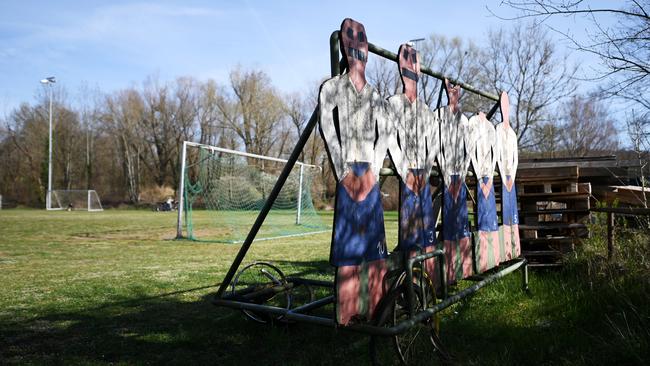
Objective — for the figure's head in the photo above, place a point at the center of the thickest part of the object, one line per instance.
(504, 101)
(354, 43)
(409, 68)
(453, 94)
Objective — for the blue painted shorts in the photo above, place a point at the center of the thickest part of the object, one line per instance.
(417, 226)
(509, 203)
(358, 234)
(487, 209)
(454, 220)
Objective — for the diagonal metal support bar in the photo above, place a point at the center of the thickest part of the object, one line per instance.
(291, 162)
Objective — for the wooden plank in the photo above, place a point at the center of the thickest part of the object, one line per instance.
(541, 253)
(570, 226)
(553, 239)
(624, 210)
(554, 211)
(554, 195)
(551, 174)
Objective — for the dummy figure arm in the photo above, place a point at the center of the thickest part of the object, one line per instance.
(390, 134)
(328, 131)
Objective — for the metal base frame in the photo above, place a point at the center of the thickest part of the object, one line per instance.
(298, 313)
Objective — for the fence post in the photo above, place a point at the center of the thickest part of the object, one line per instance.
(610, 235)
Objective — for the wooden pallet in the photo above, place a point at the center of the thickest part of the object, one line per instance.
(554, 212)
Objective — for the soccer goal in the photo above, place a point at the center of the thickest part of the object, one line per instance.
(75, 199)
(222, 192)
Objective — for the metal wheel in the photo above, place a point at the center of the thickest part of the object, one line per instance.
(420, 344)
(261, 283)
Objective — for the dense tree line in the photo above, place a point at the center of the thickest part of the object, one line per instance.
(126, 144)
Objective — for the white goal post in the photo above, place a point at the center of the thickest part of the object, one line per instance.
(75, 199)
(225, 186)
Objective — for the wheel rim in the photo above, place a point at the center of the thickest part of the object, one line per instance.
(419, 343)
(257, 277)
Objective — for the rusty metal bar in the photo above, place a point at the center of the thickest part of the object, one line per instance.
(373, 329)
(313, 305)
(610, 235)
(335, 70)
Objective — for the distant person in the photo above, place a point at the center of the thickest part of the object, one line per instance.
(168, 204)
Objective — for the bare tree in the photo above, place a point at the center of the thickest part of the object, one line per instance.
(638, 127)
(524, 62)
(25, 152)
(124, 111)
(453, 57)
(587, 127)
(207, 113)
(384, 76)
(623, 47)
(547, 139)
(255, 111)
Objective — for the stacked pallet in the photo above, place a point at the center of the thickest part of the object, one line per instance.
(554, 211)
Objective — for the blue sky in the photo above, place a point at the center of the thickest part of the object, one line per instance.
(116, 44)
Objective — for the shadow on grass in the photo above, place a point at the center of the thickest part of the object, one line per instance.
(499, 326)
(170, 331)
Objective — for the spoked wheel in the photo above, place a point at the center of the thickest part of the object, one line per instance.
(261, 283)
(418, 345)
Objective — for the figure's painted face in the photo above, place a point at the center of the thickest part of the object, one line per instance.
(355, 43)
(409, 64)
(453, 93)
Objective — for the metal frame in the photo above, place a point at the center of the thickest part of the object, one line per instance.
(297, 314)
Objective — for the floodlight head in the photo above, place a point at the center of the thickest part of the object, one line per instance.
(48, 80)
(414, 42)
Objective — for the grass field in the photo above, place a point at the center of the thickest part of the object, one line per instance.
(113, 288)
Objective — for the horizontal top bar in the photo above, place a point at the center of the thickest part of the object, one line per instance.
(425, 70)
(235, 152)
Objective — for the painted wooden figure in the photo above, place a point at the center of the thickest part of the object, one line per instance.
(508, 159)
(416, 128)
(456, 142)
(484, 159)
(358, 239)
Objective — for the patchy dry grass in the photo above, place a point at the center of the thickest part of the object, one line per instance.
(113, 288)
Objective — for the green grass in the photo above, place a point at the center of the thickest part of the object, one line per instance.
(113, 288)
(231, 226)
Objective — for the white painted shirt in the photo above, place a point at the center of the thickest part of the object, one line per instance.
(417, 129)
(358, 114)
(456, 141)
(508, 155)
(484, 158)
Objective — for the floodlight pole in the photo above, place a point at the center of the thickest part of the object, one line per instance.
(48, 201)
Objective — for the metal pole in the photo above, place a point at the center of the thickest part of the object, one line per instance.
(302, 169)
(610, 235)
(295, 154)
(48, 202)
(181, 191)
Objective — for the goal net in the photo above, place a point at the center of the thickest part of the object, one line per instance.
(224, 191)
(75, 199)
